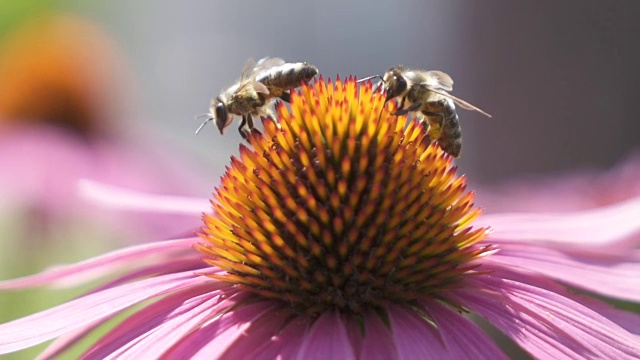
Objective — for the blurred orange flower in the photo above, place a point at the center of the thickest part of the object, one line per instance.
(61, 69)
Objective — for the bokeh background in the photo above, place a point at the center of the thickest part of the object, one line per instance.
(559, 78)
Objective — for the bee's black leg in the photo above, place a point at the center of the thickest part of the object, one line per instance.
(249, 122)
(413, 107)
(243, 133)
(285, 96)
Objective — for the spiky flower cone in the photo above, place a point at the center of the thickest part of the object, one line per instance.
(342, 207)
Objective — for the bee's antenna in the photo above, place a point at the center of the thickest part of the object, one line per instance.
(210, 118)
(377, 87)
(371, 77)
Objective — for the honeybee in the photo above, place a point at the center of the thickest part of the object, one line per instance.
(259, 85)
(427, 92)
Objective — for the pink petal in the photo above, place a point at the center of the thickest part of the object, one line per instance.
(378, 340)
(609, 275)
(462, 338)
(627, 320)
(265, 334)
(191, 263)
(286, 344)
(152, 331)
(67, 340)
(35, 156)
(327, 339)
(125, 199)
(213, 340)
(614, 225)
(69, 275)
(178, 265)
(48, 324)
(544, 323)
(560, 193)
(27, 175)
(414, 337)
(567, 192)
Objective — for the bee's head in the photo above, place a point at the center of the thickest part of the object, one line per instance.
(395, 82)
(219, 112)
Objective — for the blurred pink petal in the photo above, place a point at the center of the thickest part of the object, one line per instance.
(99, 266)
(126, 199)
(615, 225)
(572, 191)
(42, 167)
(66, 112)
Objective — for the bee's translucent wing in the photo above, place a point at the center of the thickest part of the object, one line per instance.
(463, 104)
(247, 69)
(259, 87)
(439, 80)
(416, 76)
(267, 63)
(249, 86)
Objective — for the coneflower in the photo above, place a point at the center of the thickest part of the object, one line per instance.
(341, 232)
(65, 99)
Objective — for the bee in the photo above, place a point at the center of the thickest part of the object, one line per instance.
(427, 92)
(259, 85)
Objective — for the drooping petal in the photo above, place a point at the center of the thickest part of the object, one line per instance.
(612, 226)
(545, 323)
(571, 191)
(327, 339)
(414, 337)
(179, 265)
(156, 328)
(378, 342)
(462, 338)
(627, 320)
(126, 199)
(259, 332)
(615, 276)
(48, 324)
(37, 182)
(69, 339)
(85, 271)
(215, 339)
(284, 345)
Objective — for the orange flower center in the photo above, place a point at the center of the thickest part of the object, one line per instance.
(343, 206)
